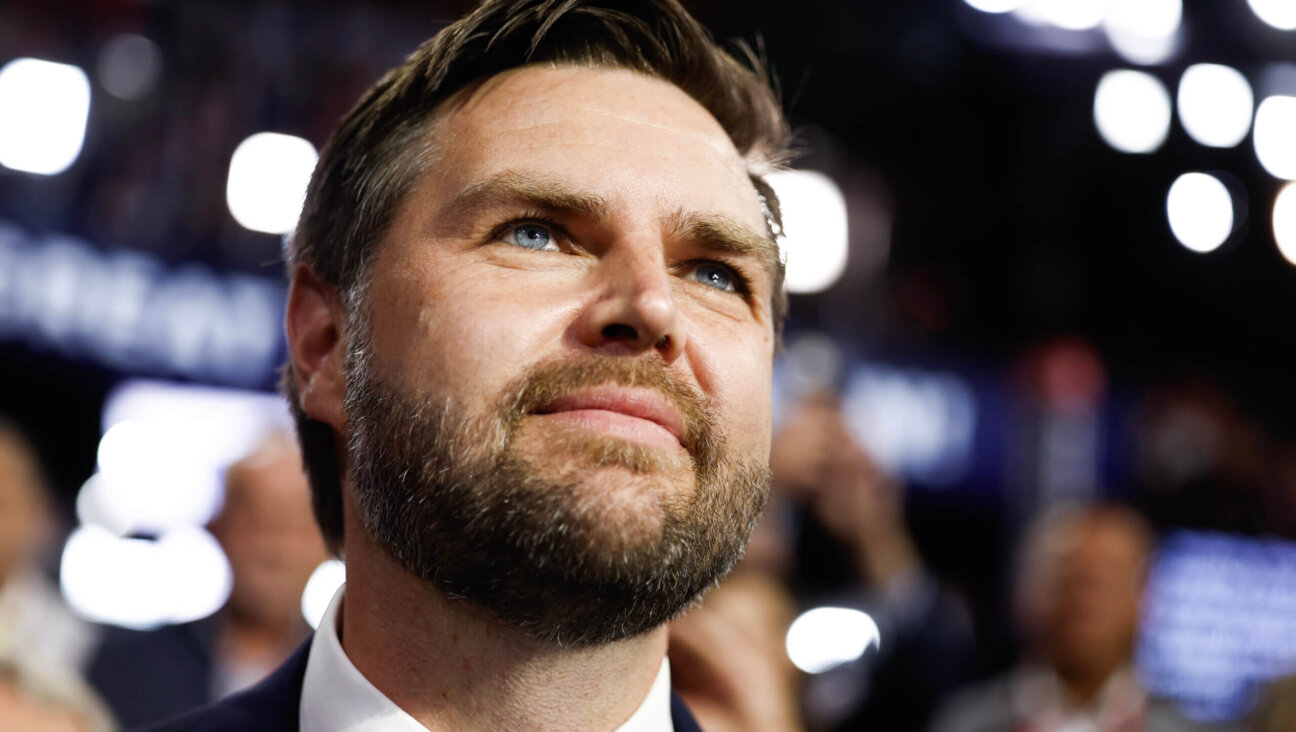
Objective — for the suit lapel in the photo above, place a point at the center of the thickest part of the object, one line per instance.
(681, 717)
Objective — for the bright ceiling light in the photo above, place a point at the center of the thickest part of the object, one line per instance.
(43, 112)
(139, 583)
(1076, 15)
(320, 589)
(151, 478)
(1143, 31)
(1215, 104)
(1200, 210)
(994, 6)
(1150, 18)
(1284, 222)
(1132, 111)
(1280, 14)
(814, 221)
(1275, 136)
(827, 637)
(164, 450)
(268, 175)
(1142, 50)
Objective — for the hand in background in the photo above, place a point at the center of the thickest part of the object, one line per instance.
(817, 462)
(803, 451)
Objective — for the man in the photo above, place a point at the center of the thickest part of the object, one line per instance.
(265, 529)
(37, 629)
(1080, 584)
(534, 305)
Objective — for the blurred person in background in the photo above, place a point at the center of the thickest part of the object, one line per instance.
(728, 659)
(535, 299)
(926, 634)
(1205, 462)
(34, 699)
(267, 532)
(1080, 581)
(1276, 709)
(36, 626)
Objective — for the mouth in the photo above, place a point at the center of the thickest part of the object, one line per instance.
(634, 414)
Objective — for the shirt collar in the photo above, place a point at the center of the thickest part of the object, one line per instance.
(336, 697)
(1038, 696)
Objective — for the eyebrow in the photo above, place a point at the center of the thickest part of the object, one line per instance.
(511, 188)
(724, 234)
(713, 231)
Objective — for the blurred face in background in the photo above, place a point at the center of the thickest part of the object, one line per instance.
(22, 504)
(22, 710)
(268, 533)
(1082, 592)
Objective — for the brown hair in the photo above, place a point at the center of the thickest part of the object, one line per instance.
(384, 144)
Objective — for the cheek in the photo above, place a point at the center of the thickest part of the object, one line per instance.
(737, 375)
(753, 426)
(464, 331)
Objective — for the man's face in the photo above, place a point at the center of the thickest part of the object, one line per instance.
(21, 511)
(558, 397)
(1087, 608)
(267, 532)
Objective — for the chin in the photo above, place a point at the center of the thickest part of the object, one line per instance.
(611, 465)
(623, 510)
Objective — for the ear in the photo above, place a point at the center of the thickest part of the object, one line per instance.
(314, 324)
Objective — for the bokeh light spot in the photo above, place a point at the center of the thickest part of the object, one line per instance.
(268, 175)
(827, 637)
(1284, 222)
(1132, 111)
(1215, 104)
(43, 111)
(1200, 210)
(1275, 136)
(814, 221)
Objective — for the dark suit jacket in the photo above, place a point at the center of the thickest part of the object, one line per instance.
(272, 706)
(146, 676)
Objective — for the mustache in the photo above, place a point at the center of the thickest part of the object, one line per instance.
(547, 381)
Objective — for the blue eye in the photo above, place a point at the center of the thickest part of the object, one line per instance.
(715, 276)
(531, 236)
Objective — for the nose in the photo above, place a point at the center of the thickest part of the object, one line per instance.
(634, 310)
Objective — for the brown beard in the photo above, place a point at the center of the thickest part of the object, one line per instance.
(450, 496)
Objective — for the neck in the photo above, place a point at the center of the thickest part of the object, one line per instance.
(1082, 685)
(450, 666)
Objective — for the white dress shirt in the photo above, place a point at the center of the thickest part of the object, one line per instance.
(336, 697)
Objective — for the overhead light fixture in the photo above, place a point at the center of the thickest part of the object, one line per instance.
(43, 111)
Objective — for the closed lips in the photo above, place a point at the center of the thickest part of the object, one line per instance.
(637, 414)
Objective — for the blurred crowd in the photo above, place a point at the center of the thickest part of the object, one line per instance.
(58, 671)
(837, 533)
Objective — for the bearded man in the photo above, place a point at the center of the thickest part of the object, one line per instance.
(535, 296)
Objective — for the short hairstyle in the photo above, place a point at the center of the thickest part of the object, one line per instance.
(384, 144)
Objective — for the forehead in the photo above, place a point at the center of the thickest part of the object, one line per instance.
(1103, 539)
(623, 133)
